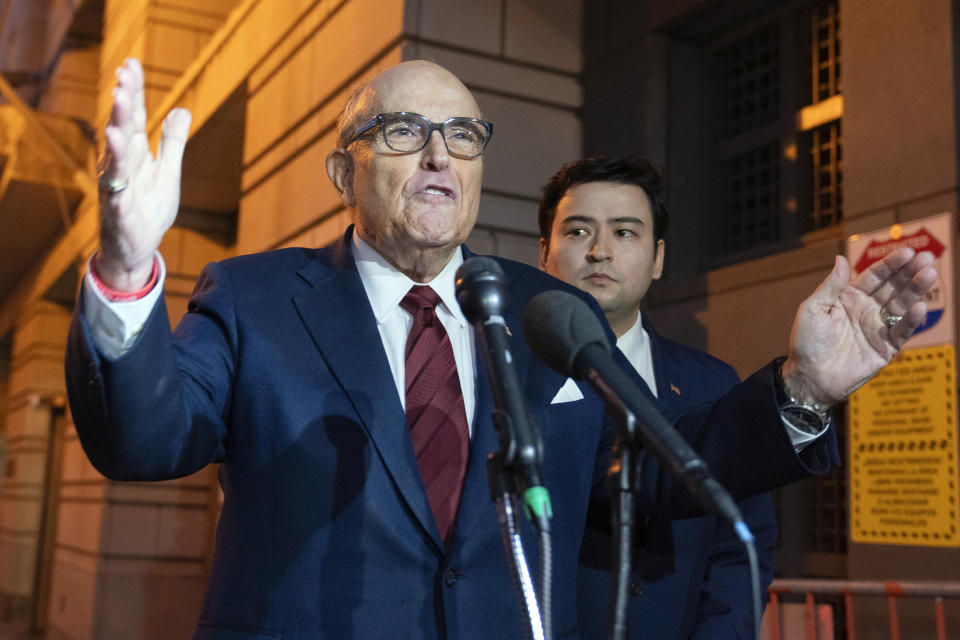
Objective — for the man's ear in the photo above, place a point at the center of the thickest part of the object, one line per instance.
(340, 171)
(543, 254)
(658, 257)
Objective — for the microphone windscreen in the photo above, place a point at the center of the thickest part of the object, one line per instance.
(481, 288)
(558, 326)
(478, 265)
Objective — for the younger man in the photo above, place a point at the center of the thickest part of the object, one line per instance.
(602, 224)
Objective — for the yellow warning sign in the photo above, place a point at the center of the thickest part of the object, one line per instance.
(903, 452)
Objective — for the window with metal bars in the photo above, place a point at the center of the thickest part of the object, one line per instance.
(826, 201)
(823, 138)
(824, 50)
(750, 200)
(776, 158)
(750, 81)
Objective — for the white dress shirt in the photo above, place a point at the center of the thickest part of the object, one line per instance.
(635, 345)
(116, 325)
(386, 287)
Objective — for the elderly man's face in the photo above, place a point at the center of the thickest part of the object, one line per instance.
(428, 200)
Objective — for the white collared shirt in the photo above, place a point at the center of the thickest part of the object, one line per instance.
(635, 345)
(115, 325)
(386, 287)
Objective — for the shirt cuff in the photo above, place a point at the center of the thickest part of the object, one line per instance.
(121, 296)
(115, 324)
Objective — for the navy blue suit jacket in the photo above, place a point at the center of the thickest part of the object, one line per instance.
(278, 372)
(691, 577)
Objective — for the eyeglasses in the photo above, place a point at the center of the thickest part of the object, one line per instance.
(409, 132)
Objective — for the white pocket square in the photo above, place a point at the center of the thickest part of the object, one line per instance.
(569, 392)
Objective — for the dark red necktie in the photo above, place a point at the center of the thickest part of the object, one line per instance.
(435, 413)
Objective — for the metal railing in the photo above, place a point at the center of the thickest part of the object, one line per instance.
(936, 590)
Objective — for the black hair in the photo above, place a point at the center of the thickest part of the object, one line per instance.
(628, 169)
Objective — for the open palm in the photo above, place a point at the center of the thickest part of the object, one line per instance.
(839, 339)
(134, 219)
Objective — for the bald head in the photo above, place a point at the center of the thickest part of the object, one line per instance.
(398, 85)
(415, 208)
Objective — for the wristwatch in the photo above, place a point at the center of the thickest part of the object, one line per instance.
(803, 416)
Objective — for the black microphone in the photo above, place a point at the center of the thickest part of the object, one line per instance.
(481, 291)
(563, 332)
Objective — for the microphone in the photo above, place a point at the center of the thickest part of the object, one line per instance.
(566, 335)
(481, 292)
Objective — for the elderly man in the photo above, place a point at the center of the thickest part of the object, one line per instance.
(352, 426)
(602, 225)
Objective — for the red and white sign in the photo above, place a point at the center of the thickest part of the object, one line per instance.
(931, 234)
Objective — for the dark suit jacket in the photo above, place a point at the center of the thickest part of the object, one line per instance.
(278, 372)
(691, 577)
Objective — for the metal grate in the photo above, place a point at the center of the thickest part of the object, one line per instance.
(830, 513)
(750, 81)
(826, 172)
(825, 50)
(766, 198)
(750, 200)
(830, 507)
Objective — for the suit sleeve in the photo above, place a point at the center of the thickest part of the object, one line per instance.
(157, 412)
(743, 442)
(726, 599)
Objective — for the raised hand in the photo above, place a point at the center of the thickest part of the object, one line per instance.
(139, 194)
(847, 331)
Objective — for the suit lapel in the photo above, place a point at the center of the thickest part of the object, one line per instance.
(475, 504)
(338, 316)
(667, 391)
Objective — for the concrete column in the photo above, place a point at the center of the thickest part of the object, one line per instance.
(4, 396)
(36, 382)
(131, 559)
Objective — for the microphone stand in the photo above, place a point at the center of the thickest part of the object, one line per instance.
(558, 319)
(513, 471)
(504, 492)
(621, 481)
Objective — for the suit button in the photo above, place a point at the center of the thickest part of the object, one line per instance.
(450, 577)
(637, 588)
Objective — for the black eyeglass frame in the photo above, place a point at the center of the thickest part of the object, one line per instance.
(378, 120)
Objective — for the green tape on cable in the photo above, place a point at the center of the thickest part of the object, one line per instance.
(536, 502)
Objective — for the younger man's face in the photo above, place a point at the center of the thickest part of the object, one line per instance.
(602, 241)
